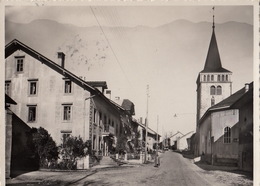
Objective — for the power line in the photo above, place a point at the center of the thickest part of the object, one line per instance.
(110, 46)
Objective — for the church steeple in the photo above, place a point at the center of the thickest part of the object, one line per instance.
(214, 82)
(213, 62)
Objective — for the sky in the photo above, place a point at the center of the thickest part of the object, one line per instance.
(132, 16)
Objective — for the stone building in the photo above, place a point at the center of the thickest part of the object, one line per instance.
(213, 85)
(50, 96)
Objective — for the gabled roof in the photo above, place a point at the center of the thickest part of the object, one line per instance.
(229, 101)
(176, 134)
(14, 45)
(191, 132)
(213, 62)
(9, 100)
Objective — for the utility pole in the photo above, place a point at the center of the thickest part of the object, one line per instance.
(146, 126)
(157, 161)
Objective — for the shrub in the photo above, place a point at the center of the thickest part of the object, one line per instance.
(72, 149)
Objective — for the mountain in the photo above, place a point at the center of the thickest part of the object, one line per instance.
(168, 57)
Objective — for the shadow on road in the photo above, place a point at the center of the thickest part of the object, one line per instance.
(208, 167)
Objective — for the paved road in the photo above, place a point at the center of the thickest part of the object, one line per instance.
(174, 170)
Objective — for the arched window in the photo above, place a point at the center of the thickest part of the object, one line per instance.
(204, 78)
(207, 77)
(223, 78)
(227, 135)
(212, 77)
(226, 77)
(219, 90)
(212, 90)
(218, 77)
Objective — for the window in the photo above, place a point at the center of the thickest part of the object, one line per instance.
(219, 90)
(8, 88)
(226, 77)
(204, 78)
(67, 86)
(65, 136)
(19, 64)
(32, 87)
(218, 77)
(31, 113)
(227, 135)
(212, 101)
(112, 123)
(67, 112)
(100, 118)
(212, 90)
(223, 78)
(95, 111)
(207, 77)
(212, 77)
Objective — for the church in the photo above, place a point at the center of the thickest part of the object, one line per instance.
(224, 126)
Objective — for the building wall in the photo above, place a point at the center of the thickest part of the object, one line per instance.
(109, 116)
(203, 91)
(49, 99)
(246, 141)
(182, 142)
(205, 136)
(220, 120)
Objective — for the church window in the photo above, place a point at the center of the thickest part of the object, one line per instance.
(212, 101)
(212, 90)
(207, 77)
(226, 77)
(218, 77)
(227, 135)
(204, 78)
(219, 90)
(223, 78)
(212, 77)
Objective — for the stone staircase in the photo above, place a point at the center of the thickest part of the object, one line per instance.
(106, 161)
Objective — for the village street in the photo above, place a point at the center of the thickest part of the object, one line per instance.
(174, 170)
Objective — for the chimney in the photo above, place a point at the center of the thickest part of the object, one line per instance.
(109, 93)
(246, 87)
(61, 56)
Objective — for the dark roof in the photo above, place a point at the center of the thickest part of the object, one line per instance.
(229, 101)
(129, 106)
(9, 100)
(213, 62)
(97, 84)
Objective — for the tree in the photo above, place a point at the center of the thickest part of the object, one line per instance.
(44, 146)
(72, 149)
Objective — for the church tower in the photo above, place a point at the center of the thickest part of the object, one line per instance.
(213, 82)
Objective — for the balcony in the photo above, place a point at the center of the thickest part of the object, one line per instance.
(108, 130)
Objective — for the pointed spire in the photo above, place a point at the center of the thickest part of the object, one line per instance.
(213, 18)
(213, 62)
